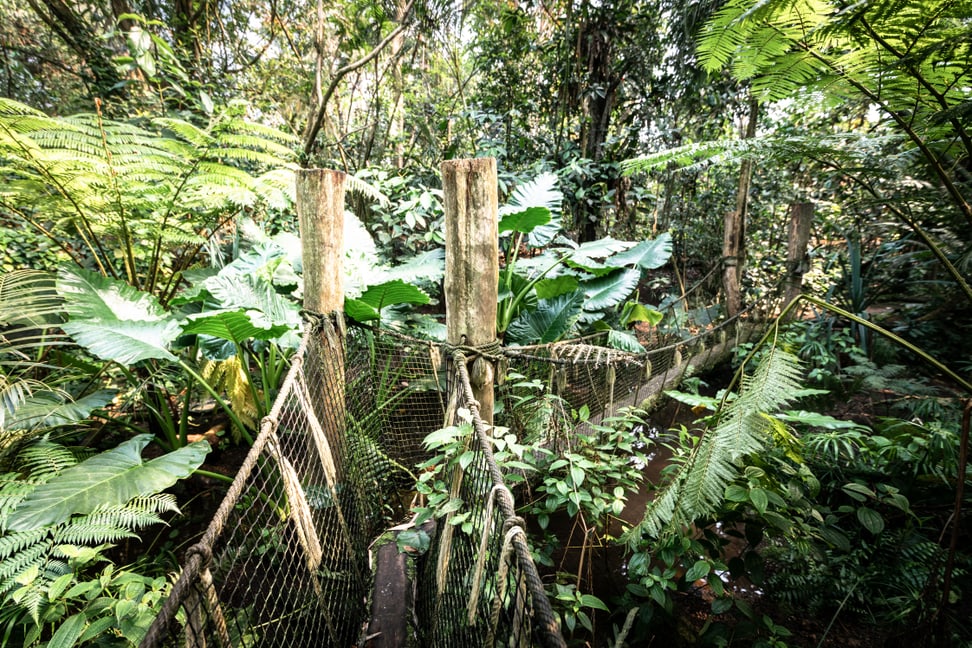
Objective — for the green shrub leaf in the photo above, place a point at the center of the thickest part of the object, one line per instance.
(870, 520)
(111, 478)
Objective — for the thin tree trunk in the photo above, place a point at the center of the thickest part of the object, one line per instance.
(734, 239)
(798, 236)
(69, 26)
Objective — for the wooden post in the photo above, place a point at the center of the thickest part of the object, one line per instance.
(469, 189)
(320, 212)
(798, 236)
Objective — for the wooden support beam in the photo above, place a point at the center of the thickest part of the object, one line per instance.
(798, 237)
(471, 204)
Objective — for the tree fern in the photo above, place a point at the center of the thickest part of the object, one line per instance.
(908, 58)
(743, 428)
(113, 184)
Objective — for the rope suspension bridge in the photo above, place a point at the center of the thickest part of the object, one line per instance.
(314, 542)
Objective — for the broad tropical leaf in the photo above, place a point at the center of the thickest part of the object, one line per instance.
(556, 286)
(113, 320)
(550, 321)
(525, 221)
(624, 340)
(647, 255)
(593, 256)
(111, 478)
(236, 326)
(528, 204)
(610, 290)
(391, 293)
(90, 296)
(49, 409)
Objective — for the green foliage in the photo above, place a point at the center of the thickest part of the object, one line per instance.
(95, 186)
(743, 427)
(111, 478)
(56, 583)
(542, 298)
(391, 293)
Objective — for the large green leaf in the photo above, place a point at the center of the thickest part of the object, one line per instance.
(236, 326)
(111, 478)
(113, 320)
(125, 342)
(556, 286)
(624, 340)
(647, 255)
(534, 209)
(390, 293)
(428, 266)
(549, 322)
(249, 292)
(525, 220)
(594, 256)
(50, 409)
(610, 290)
(90, 296)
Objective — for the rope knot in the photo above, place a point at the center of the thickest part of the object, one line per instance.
(314, 319)
(204, 551)
(492, 351)
(513, 522)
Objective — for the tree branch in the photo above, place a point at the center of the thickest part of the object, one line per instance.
(314, 125)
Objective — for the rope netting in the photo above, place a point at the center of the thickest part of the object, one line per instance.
(285, 560)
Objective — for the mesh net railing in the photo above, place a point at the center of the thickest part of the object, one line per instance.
(285, 559)
(282, 562)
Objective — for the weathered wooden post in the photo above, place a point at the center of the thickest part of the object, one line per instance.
(798, 236)
(469, 189)
(320, 212)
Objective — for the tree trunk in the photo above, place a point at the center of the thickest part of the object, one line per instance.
(597, 57)
(798, 236)
(734, 239)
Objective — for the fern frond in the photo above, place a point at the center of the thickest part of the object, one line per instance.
(13, 543)
(190, 133)
(272, 152)
(33, 554)
(12, 490)
(356, 185)
(743, 428)
(44, 459)
(87, 532)
(277, 188)
(269, 133)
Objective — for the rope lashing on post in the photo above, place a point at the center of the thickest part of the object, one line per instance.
(491, 351)
(314, 319)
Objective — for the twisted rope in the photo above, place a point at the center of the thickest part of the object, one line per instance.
(543, 619)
